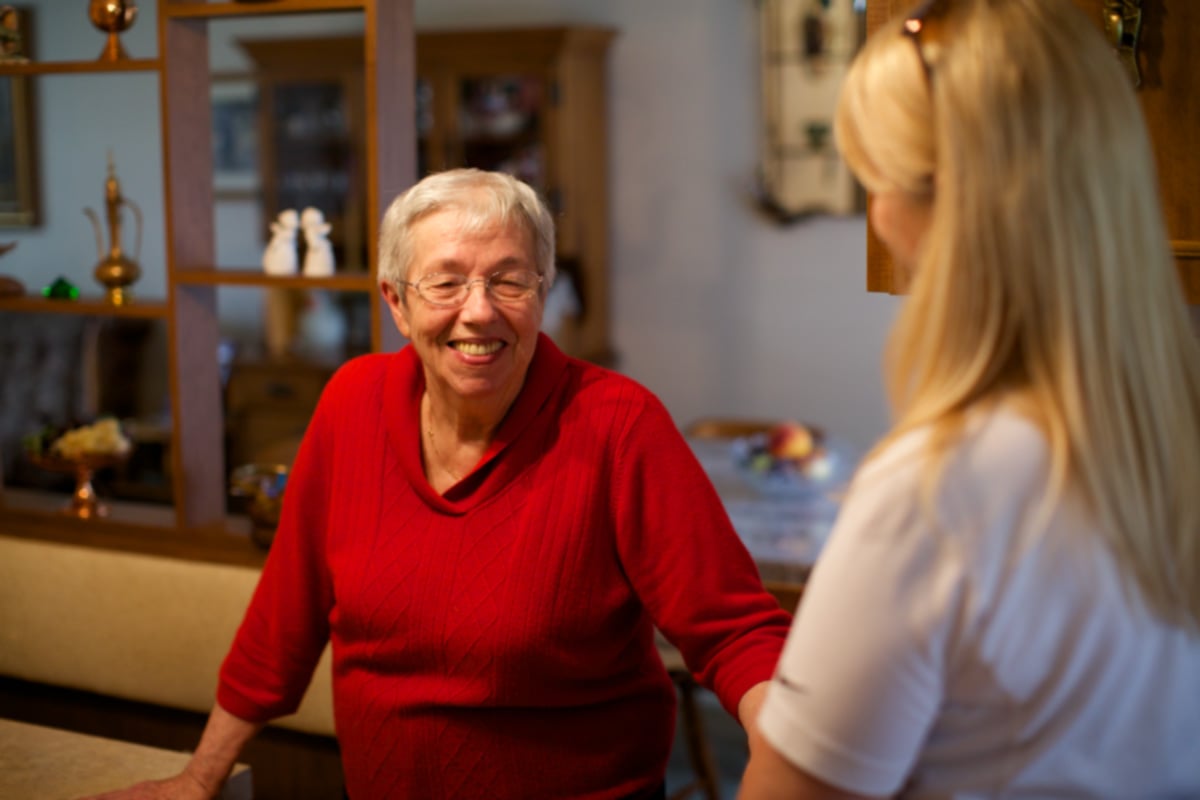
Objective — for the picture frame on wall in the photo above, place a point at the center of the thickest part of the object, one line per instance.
(18, 163)
(805, 49)
(235, 137)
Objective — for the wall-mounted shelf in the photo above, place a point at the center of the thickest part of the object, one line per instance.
(217, 10)
(346, 282)
(80, 67)
(85, 307)
(197, 524)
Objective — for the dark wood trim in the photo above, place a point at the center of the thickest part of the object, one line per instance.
(215, 546)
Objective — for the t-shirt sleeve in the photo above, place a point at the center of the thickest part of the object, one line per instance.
(860, 680)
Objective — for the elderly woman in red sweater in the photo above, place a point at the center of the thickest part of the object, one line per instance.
(488, 532)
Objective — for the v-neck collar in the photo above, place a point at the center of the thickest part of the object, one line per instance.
(405, 384)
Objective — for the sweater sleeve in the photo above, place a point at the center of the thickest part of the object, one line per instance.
(286, 625)
(686, 562)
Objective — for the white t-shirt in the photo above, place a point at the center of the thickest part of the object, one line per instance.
(995, 652)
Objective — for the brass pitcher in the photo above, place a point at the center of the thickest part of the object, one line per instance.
(113, 17)
(116, 271)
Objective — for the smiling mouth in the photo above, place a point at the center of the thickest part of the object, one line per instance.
(477, 348)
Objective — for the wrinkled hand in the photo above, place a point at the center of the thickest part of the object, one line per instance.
(181, 787)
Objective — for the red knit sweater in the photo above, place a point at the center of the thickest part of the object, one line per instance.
(498, 641)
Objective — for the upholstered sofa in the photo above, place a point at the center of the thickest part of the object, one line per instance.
(132, 626)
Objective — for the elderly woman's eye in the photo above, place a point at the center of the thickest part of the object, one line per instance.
(442, 282)
(517, 279)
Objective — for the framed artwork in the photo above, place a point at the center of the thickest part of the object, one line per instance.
(235, 137)
(18, 175)
(805, 50)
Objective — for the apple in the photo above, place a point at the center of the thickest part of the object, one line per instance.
(791, 441)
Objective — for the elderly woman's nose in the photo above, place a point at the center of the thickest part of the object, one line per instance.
(478, 300)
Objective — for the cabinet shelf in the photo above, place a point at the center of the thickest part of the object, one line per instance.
(80, 67)
(349, 282)
(87, 307)
(258, 9)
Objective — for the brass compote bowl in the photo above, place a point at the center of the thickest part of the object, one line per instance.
(84, 504)
(112, 17)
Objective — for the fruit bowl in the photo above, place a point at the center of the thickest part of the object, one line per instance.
(794, 460)
(262, 485)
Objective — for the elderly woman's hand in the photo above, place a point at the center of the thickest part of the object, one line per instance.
(183, 786)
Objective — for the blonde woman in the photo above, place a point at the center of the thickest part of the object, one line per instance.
(1010, 602)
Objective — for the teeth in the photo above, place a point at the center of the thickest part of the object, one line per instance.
(477, 348)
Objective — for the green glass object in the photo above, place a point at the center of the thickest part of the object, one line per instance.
(61, 289)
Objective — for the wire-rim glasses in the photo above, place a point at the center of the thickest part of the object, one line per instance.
(451, 290)
(924, 26)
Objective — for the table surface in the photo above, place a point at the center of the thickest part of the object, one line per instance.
(784, 534)
(39, 763)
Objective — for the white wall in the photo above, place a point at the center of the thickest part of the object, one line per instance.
(714, 308)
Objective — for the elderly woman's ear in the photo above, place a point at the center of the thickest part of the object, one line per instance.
(397, 303)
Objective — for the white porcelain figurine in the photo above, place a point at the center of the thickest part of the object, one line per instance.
(280, 257)
(318, 260)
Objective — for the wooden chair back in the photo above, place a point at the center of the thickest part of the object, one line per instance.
(726, 427)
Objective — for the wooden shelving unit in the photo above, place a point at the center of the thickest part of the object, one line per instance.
(80, 67)
(199, 424)
(564, 127)
(197, 526)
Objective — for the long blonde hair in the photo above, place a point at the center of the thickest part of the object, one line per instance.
(1046, 272)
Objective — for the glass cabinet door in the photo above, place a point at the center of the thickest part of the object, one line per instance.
(492, 122)
(313, 148)
(500, 126)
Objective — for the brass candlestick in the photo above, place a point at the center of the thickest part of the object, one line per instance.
(115, 271)
(113, 17)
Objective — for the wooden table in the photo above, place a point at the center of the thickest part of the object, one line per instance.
(38, 763)
(784, 534)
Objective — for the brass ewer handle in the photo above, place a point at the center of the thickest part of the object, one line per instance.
(1123, 25)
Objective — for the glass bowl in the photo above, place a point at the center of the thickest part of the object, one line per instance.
(824, 473)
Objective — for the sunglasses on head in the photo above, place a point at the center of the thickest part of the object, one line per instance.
(925, 26)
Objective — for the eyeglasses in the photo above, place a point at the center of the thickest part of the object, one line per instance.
(449, 290)
(924, 26)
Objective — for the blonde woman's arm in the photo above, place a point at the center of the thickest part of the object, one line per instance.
(769, 776)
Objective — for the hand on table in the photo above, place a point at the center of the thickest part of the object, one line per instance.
(181, 787)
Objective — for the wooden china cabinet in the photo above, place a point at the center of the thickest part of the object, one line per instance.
(197, 525)
(1168, 62)
(532, 102)
(528, 101)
